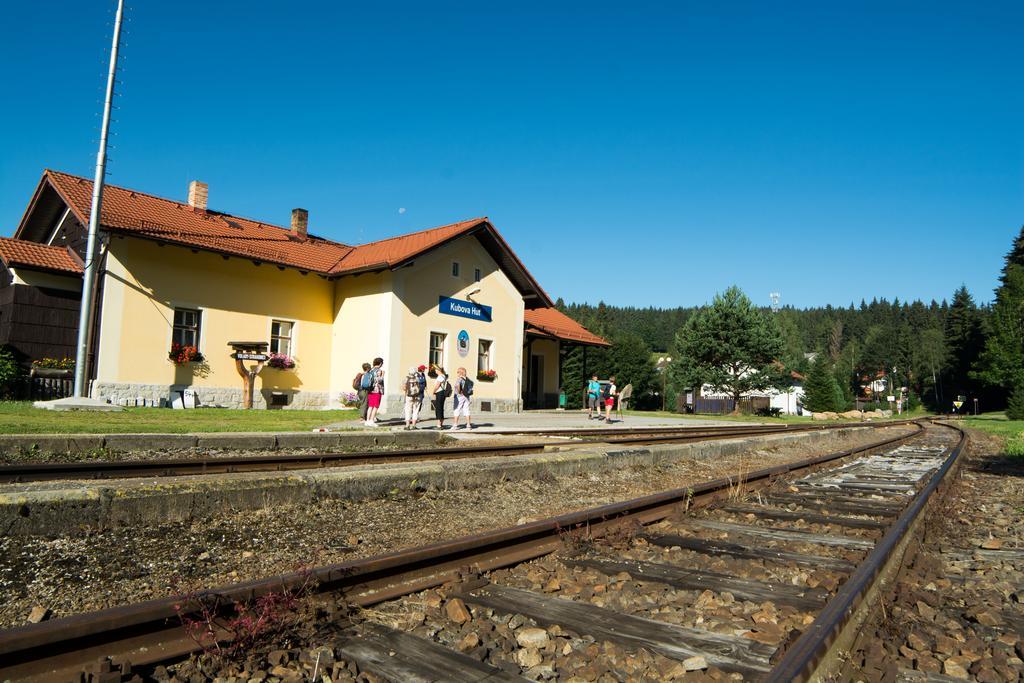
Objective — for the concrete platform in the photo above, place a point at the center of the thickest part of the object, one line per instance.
(229, 441)
(76, 403)
(70, 507)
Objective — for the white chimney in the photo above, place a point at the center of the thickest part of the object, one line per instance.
(198, 193)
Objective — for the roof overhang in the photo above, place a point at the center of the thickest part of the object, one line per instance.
(499, 250)
(550, 323)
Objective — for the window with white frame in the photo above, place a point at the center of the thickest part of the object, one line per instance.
(436, 355)
(483, 357)
(281, 336)
(186, 327)
(455, 268)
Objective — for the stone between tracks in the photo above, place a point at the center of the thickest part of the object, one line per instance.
(69, 507)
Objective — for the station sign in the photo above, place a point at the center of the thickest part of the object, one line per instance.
(464, 309)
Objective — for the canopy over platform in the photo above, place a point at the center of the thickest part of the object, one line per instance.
(550, 323)
(550, 335)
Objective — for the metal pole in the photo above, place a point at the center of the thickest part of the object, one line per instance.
(89, 279)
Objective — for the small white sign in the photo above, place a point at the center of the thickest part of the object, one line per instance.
(890, 398)
(184, 399)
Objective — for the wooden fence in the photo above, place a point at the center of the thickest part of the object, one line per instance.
(723, 406)
(43, 388)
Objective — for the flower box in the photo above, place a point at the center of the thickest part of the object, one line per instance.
(182, 355)
(52, 373)
(280, 361)
(486, 375)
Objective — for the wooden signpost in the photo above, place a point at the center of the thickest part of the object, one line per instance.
(249, 351)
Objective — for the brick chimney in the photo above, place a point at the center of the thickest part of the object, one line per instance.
(198, 193)
(300, 220)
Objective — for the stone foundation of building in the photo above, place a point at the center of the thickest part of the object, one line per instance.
(163, 395)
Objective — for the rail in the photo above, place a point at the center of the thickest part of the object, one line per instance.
(817, 646)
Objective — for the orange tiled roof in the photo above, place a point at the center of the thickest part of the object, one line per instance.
(176, 222)
(396, 250)
(15, 252)
(554, 323)
(153, 217)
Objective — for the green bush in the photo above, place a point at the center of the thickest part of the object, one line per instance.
(1015, 406)
(9, 371)
(1015, 445)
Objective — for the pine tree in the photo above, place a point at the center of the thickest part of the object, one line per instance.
(572, 379)
(731, 345)
(1002, 362)
(821, 390)
(630, 361)
(964, 339)
(1015, 406)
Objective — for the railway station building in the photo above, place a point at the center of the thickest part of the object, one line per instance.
(176, 274)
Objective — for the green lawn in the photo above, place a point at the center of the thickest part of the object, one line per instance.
(995, 423)
(19, 417)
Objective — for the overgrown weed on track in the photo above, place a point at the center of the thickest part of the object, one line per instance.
(226, 631)
(577, 540)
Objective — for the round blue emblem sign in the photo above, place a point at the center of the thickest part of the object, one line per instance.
(463, 343)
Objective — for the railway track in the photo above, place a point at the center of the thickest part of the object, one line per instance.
(806, 552)
(181, 466)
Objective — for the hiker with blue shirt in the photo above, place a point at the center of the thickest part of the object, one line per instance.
(593, 395)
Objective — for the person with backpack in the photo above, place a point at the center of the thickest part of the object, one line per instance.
(463, 392)
(376, 391)
(413, 397)
(442, 389)
(421, 379)
(593, 391)
(608, 395)
(361, 383)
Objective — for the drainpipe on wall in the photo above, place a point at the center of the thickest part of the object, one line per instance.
(91, 256)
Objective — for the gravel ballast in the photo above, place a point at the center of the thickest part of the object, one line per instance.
(957, 610)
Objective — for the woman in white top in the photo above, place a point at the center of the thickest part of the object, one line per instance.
(439, 393)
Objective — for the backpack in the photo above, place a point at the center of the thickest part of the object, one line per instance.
(366, 380)
(412, 387)
(606, 391)
(467, 387)
(357, 381)
(447, 388)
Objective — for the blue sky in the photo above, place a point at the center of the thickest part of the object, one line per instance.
(638, 153)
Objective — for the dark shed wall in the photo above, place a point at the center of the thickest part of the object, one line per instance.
(38, 322)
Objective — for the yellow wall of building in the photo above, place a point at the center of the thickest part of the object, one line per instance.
(362, 311)
(145, 282)
(418, 288)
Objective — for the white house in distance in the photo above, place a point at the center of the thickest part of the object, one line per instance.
(788, 401)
